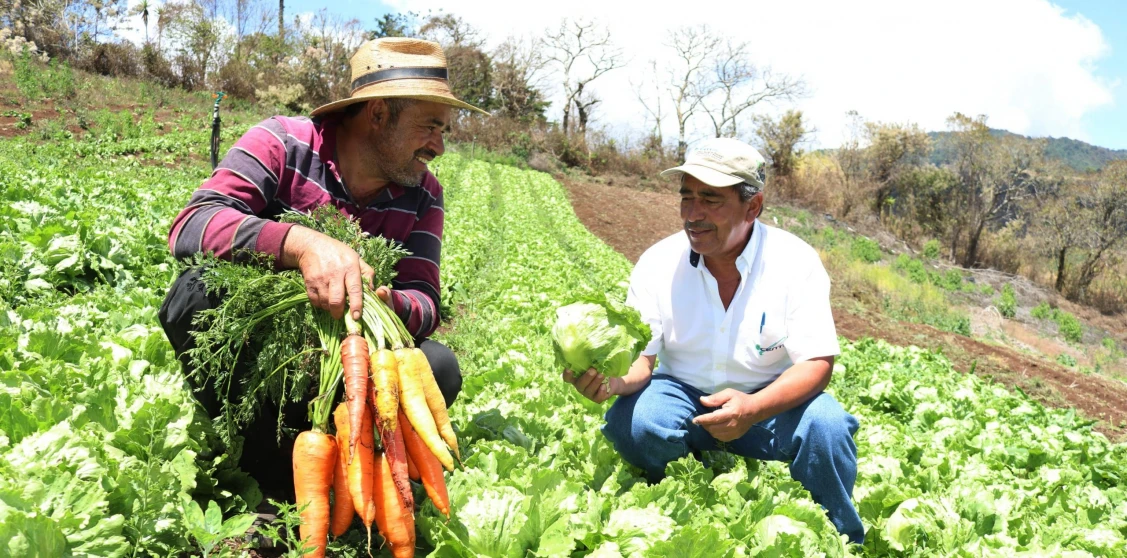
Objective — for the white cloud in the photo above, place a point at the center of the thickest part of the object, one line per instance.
(1025, 63)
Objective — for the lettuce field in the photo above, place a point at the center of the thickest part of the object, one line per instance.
(103, 451)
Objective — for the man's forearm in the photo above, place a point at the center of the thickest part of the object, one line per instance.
(794, 387)
(640, 373)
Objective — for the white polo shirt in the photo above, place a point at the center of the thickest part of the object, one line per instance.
(779, 315)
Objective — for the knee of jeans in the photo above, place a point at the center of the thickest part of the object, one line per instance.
(828, 420)
(625, 428)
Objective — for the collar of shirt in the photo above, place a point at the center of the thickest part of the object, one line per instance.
(327, 127)
(743, 262)
(700, 342)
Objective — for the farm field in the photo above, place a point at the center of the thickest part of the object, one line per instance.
(102, 447)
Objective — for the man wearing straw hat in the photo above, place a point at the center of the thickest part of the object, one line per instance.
(367, 155)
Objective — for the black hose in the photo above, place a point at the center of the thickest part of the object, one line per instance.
(215, 122)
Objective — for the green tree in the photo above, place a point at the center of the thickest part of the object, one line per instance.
(994, 174)
(470, 68)
(893, 149)
(1102, 208)
(780, 139)
(395, 25)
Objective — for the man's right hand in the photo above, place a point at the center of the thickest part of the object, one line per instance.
(591, 385)
(334, 273)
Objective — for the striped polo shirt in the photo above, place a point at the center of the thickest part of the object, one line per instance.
(288, 163)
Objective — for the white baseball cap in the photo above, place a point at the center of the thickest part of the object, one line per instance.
(723, 162)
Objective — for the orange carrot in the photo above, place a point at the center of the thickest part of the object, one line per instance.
(396, 454)
(361, 472)
(414, 403)
(343, 509)
(354, 359)
(314, 459)
(435, 401)
(395, 522)
(412, 471)
(429, 469)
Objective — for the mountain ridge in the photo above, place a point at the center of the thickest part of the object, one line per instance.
(1079, 155)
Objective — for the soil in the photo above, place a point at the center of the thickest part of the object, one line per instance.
(630, 220)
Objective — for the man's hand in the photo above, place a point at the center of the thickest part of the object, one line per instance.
(334, 273)
(384, 294)
(737, 412)
(592, 385)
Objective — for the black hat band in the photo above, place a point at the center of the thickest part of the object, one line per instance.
(398, 73)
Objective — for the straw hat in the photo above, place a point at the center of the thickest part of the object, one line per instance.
(398, 67)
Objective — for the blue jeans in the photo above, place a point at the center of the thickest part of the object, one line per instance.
(654, 426)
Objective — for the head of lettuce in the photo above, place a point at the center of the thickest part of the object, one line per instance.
(599, 333)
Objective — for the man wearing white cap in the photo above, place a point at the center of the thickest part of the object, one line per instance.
(743, 332)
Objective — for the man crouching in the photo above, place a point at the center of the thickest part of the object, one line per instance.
(742, 329)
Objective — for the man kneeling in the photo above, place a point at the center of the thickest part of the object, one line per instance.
(744, 338)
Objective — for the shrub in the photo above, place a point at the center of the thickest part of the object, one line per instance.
(115, 125)
(1068, 325)
(1109, 344)
(157, 67)
(931, 249)
(1066, 360)
(236, 78)
(911, 267)
(830, 237)
(866, 250)
(952, 280)
(1007, 305)
(36, 81)
(1042, 311)
(112, 59)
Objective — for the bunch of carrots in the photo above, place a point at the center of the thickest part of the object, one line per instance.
(391, 426)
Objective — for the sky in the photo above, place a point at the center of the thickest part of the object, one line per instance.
(1035, 67)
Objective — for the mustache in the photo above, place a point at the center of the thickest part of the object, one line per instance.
(705, 225)
(428, 152)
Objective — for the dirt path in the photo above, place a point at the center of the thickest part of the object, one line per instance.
(630, 221)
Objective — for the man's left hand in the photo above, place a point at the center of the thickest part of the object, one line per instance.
(737, 412)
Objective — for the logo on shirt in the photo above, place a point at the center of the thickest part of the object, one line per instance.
(776, 345)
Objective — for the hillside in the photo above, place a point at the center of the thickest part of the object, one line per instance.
(1076, 154)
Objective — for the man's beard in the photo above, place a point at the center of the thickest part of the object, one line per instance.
(392, 160)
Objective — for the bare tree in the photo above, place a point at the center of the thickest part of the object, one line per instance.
(738, 85)
(582, 51)
(688, 74)
(450, 31)
(652, 105)
(851, 160)
(518, 68)
(585, 105)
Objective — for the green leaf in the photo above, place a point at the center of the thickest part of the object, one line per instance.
(213, 519)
